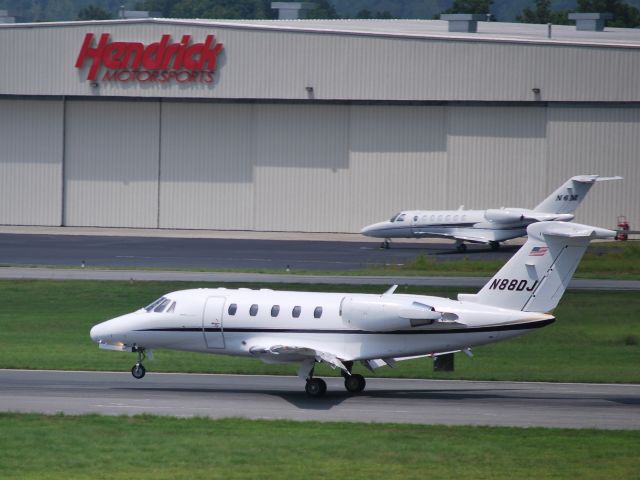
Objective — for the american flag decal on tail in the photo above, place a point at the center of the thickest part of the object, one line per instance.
(538, 251)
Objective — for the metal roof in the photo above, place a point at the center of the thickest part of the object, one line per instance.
(426, 29)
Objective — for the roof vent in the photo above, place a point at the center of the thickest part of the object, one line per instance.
(463, 22)
(6, 18)
(292, 10)
(593, 22)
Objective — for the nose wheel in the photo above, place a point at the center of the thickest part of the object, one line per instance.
(138, 371)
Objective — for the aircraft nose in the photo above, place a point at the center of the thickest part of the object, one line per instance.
(372, 230)
(94, 333)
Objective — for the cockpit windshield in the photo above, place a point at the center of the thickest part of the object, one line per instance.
(393, 219)
(160, 305)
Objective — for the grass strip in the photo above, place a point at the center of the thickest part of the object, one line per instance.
(95, 447)
(45, 325)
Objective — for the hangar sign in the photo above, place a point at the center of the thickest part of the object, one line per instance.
(160, 62)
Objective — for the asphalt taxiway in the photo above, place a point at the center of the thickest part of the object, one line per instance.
(601, 406)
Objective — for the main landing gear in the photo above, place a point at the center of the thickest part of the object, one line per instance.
(461, 247)
(354, 383)
(494, 245)
(138, 371)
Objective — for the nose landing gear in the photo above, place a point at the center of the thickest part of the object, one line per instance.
(138, 371)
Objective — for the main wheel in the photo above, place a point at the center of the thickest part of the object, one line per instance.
(494, 245)
(461, 247)
(138, 371)
(355, 383)
(315, 387)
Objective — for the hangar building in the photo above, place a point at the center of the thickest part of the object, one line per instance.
(309, 125)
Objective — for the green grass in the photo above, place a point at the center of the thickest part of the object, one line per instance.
(94, 447)
(45, 325)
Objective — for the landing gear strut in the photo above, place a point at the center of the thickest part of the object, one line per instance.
(386, 244)
(461, 247)
(494, 245)
(138, 371)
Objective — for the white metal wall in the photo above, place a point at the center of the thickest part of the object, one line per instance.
(111, 164)
(207, 166)
(335, 168)
(30, 162)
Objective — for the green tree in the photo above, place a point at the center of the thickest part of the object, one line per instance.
(624, 15)
(470, 6)
(542, 13)
(91, 12)
(323, 9)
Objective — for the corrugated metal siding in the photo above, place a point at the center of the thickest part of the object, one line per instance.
(496, 156)
(279, 65)
(30, 162)
(398, 160)
(207, 167)
(111, 164)
(301, 168)
(604, 141)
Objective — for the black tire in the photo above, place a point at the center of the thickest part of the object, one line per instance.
(315, 387)
(461, 248)
(138, 371)
(355, 383)
(494, 246)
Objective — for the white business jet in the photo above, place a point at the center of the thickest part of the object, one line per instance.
(343, 328)
(485, 226)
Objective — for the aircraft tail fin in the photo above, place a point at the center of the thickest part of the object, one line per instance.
(535, 278)
(567, 198)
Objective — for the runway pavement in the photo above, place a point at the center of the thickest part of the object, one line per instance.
(271, 397)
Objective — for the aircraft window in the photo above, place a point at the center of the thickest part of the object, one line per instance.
(393, 219)
(433, 218)
(448, 218)
(275, 310)
(440, 218)
(317, 312)
(233, 308)
(400, 218)
(415, 219)
(172, 308)
(253, 311)
(296, 311)
(162, 305)
(153, 305)
(463, 218)
(455, 218)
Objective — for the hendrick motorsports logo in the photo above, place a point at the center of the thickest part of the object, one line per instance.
(161, 61)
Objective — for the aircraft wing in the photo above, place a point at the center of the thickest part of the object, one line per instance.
(288, 353)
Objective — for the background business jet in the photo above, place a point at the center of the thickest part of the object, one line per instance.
(485, 226)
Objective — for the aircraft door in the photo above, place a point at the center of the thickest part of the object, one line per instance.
(212, 322)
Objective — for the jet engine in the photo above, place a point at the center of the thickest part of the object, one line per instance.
(502, 215)
(385, 313)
